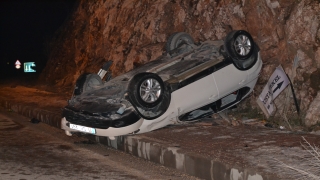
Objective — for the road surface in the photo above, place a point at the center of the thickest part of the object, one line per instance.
(37, 151)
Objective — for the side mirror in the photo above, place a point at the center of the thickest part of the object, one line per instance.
(104, 70)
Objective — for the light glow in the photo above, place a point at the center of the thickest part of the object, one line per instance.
(17, 64)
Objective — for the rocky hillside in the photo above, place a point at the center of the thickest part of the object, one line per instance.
(133, 32)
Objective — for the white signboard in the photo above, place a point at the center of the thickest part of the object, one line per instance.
(276, 84)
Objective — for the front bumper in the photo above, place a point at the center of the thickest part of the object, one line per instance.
(110, 132)
(99, 120)
(100, 126)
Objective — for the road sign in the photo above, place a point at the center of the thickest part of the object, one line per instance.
(276, 84)
(28, 67)
(17, 64)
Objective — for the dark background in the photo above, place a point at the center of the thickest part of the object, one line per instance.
(26, 28)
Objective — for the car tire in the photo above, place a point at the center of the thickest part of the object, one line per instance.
(177, 39)
(148, 89)
(239, 44)
(86, 82)
(149, 95)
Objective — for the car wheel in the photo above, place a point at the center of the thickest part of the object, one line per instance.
(178, 39)
(148, 93)
(240, 46)
(149, 89)
(86, 82)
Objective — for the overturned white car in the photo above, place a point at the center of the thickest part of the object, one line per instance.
(188, 82)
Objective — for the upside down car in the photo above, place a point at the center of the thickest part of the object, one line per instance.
(189, 81)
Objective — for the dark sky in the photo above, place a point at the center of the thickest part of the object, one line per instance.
(25, 27)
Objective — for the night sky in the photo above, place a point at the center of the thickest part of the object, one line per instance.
(26, 26)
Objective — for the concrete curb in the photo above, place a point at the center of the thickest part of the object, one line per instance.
(48, 117)
(168, 156)
(174, 157)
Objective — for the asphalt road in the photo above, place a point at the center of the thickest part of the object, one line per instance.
(38, 151)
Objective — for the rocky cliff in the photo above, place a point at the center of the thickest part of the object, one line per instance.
(133, 32)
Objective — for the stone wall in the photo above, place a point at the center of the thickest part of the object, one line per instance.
(133, 32)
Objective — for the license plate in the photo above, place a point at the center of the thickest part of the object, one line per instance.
(83, 128)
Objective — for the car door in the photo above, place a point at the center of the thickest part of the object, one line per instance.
(229, 79)
(195, 95)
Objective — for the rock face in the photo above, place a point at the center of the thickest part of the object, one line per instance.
(313, 113)
(133, 32)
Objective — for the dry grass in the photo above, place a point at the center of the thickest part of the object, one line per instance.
(309, 166)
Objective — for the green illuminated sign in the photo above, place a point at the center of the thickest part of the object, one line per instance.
(28, 67)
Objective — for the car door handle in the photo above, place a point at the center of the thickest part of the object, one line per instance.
(242, 81)
(213, 96)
